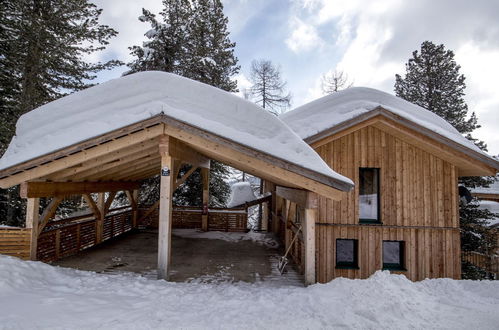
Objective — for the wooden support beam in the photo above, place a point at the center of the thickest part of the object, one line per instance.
(99, 223)
(205, 175)
(48, 213)
(131, 199)
(308, 227)
(165, 209)
(123, 173)
(81, 156)
(150, 210)
(185, 176)
(32, 216)
(61, 189)
(93, 206)
(183, 152)
(135, 211)
(109, 201)
(301, 197)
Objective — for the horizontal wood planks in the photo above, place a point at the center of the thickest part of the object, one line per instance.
(15, 242)
(429, 253)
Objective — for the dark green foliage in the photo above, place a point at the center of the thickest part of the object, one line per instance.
(42, 45)
(472, 272)
(433, 81)
(191, 40)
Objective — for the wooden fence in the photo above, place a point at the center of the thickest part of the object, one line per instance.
(67, 237)
(15, 242)
(231, 220)
(489, 263)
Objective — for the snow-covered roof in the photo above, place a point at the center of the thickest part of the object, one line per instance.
(492, 207)
(337, 108)
(131, 99)
(493, 188)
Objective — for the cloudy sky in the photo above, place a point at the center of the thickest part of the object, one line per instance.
(370, 40)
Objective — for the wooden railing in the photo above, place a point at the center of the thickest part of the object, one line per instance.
(15, 242)
(489, 263)
(233, 220)
(66, 237)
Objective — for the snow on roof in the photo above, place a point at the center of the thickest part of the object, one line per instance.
(492, 207)
(137, 97)
(334, 109)
(492, 189)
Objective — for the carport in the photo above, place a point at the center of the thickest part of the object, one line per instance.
(110, 137)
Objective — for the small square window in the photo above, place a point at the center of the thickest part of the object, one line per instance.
(393, 255)
(346, 253)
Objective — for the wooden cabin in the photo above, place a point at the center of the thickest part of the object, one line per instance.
(403, 213)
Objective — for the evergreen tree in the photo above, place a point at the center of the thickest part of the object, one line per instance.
(192, 40)
(42, 49)
(268, 89)
(433, 81)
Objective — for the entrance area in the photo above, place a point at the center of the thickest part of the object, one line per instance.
(206, 257)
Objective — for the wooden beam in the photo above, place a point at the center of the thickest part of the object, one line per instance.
(32, 216)
(122, 173)
(99, 223)
(309, 245)
(93, 206)
(183, 152)
(49, 213)
(61, 189)
(109, 201)
(131, 199)
(185, 176)
(150, 210)
(303, 198)
(79, 157)
(205, 177)
(135, 212)
(165, 210)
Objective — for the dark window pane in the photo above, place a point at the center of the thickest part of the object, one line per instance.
(346, 252)
(369, 194)
(391, 253)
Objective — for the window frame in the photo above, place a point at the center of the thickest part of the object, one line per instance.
(378, 199)
(348, 265)
(392, 266)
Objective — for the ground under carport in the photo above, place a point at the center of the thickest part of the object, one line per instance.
(223, 257)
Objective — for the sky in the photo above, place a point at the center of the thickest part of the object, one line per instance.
(369, 40)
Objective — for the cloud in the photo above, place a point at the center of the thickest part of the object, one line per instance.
(303, 36)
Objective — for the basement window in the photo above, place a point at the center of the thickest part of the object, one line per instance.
(346, 253)
(369, 196)
(393, 255)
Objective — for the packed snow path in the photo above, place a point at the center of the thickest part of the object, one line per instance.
(36, 295)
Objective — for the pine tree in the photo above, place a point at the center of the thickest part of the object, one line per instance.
(268, 89)
(433, 81)
(192, 41)
(42, 49)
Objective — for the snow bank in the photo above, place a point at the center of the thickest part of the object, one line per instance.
(259, 238)
(134, 98)
(36, 295)
(241, 193)
(334, 109)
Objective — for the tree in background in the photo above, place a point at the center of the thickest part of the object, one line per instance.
(433, 81)
(268, 89)
(191, 40)
(42, 48)
(334, 81)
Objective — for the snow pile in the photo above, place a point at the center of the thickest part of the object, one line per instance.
(332, 110)
(136, 97)
(259, 238)
(36, 295)
(241, 192)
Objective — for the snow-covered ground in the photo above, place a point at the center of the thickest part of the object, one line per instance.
(36, 295)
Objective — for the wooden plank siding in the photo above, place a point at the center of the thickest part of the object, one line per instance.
(419, 205)
(15, 242)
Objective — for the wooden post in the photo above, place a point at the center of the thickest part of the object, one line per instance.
(165, 209)
(309, 245)
(135, 212)
(205, 173)
(32, 218)
(99, 223)
(265, 217)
